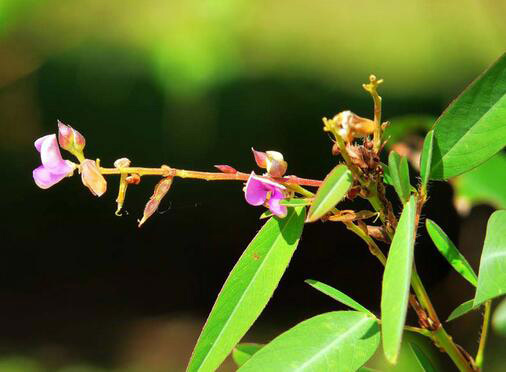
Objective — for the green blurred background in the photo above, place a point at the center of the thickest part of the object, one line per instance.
(192, 84)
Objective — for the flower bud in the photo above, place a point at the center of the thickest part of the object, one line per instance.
(152, 205)
(71, 140)
(260, 158)
(133, 179)
(92, 178)
(65, 136)
(276, 165)
(226, 169)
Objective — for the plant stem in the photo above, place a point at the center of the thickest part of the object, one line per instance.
(423, 297)
(445, 341)
(373, 247)
(166, 171)
(484, 332)
(420, 331)
(371, 87)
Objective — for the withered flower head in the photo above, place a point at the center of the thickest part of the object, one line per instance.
(92, 178)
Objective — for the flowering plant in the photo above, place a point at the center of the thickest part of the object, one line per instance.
(470, 132)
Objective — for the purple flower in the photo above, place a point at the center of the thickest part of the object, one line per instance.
(259, 190)
(53, 168)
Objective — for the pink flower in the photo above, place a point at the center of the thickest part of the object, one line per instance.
(259, 190)
(53, 168)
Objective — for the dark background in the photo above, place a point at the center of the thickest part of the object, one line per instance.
(83, 288)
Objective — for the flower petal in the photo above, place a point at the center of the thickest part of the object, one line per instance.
(44, 178)
(255, 192)
(274, 206)
(51, 156)
(39, 141)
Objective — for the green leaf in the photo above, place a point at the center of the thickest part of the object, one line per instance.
(499, 318)
(387, 178)
(332, 191)
(396, 281)
(296, 202)
(422, 359)
(426, 159)
(336, 341)
(338, 296)
(243, 352)
(460, 310)
(399, 171)
(450, 252)
(247, 290)
(492, 274)
(484, 184)
(472, 129)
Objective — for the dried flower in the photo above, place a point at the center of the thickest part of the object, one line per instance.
(92, 178)
(276, 165)
(123, 183)
(272, 161)
(348, 126)
(260, 190)
(53, 168)
(161, 189)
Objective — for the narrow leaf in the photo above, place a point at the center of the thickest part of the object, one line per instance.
(484, 184)
(332, 191)
(338, 296)
(499, 318)
(399, 171)
(460, 310)
(247, 290)
(396, 281)
(422, 359)
(492, 274)
(336, 341)
(296, 202)
(426, 159)
(387, 178)
(472, 129)
(243, 352)
(450, 252)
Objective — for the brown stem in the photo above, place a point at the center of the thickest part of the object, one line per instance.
(166, 171)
